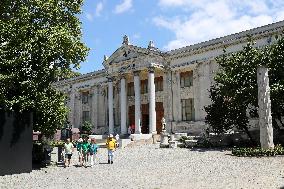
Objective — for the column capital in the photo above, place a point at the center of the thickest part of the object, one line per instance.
(136, 72)
(122, 76)
(151, 69)
(109, 78)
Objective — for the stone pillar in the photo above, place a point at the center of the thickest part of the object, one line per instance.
(94, 110)
(178, 97)
(110, 105)
(77, 116)
(264, 111)
(72, 108)
(152, 101)
(137, 102)
(123, 105)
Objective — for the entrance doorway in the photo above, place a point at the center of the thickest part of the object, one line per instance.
(145, 117)
(159, 116)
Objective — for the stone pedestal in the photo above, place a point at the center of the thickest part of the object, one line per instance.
(164, 139)
(173, 144)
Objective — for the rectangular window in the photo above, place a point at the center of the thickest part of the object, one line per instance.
(187, 109)
(144, 86)
(186, 79)
(130, 89)
(85, 97)
(159, 84)
(86, 116)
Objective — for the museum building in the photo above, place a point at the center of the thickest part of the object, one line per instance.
(139, 86)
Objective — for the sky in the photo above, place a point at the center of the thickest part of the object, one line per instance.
(171, 24)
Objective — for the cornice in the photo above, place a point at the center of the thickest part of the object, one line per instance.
(228, 40)
(84, 77)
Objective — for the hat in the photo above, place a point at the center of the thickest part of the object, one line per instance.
(110, 135)
(80, 140)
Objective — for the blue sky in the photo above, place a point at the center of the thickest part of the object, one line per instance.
(169, 23)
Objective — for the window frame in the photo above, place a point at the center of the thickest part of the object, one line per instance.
(84, 116)
(85, 97)
(186, 79)
(187, 109)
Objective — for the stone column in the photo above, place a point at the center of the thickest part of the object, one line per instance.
(178, 97)
(123, 106)
(264, 111)
(152, 101)
(94, 110)
(137, 102)
(72, 108)
(110, 105)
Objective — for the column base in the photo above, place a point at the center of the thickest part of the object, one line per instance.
(140, 136)
(154, 132)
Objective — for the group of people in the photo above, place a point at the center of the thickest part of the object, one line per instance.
(87, 149)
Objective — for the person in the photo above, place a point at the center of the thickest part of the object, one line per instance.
(117, 140)
(111, 146)
(132, 128)
(129, 130)
(79, 150)
(85, 150)
(93, 149)
(68, 149)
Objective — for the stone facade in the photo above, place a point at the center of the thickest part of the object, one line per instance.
(138, 86)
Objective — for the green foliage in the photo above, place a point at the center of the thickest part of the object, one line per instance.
(236, 91)
(241, 152)
(67, 74)
(57, 143)
(184, 138)
(87, 127)
(39, 41)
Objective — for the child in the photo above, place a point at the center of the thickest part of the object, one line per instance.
(68, 149)
(93, 149)
(85, 149)
(117, 140)
(79, 150)
(111, 145)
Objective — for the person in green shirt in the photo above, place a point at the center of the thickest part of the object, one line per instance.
(85, 150)
(79, 150)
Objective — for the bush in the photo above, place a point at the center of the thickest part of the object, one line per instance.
(87, 127)
(257, 152)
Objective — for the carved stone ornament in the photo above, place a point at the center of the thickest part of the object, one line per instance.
(125, 40)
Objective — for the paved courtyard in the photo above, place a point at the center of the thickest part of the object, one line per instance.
(148, 166)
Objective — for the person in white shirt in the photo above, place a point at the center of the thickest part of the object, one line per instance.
(68, 149)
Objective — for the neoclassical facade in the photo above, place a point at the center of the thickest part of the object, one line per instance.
(139, 86)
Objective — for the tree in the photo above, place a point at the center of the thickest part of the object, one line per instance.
(234, 95)
(39, 40)
(67, 74)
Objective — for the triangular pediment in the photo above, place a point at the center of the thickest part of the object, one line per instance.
(128, 53)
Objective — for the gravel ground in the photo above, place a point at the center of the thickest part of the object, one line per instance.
(148, 166)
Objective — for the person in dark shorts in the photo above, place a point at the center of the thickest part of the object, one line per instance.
(68, 149)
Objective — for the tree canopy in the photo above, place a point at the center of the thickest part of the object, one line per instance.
(39, 40)
(234, 96)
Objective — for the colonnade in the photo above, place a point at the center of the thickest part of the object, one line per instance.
(123, 103)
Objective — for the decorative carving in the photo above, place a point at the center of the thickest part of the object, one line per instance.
(125, 40)
(151, 45)
(105, 58)
(136, 73)
(151, 69)
(109, 79)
